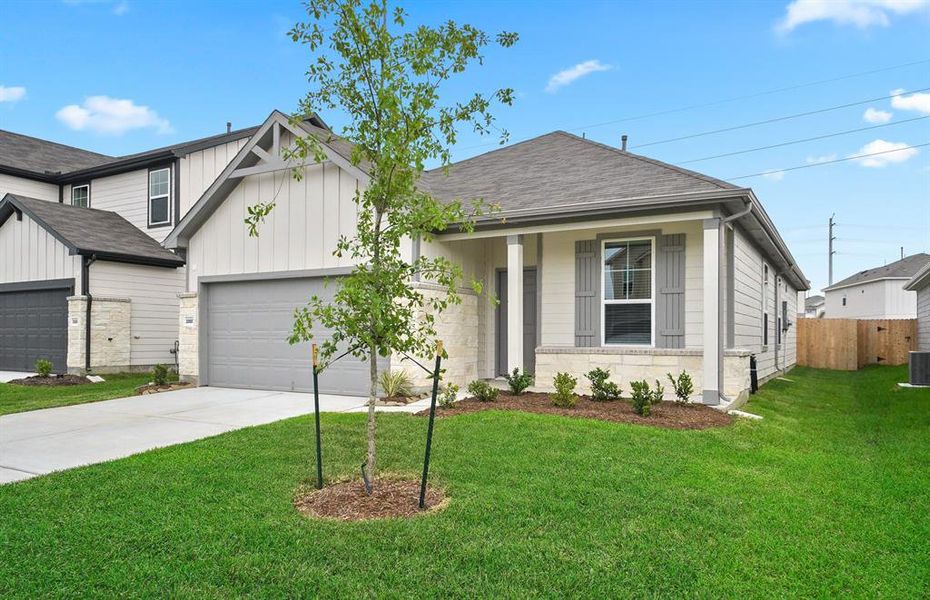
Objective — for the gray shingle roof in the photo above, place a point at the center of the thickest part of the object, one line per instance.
(90, 231)
(43, 157)
(559, 169)
(905, 268)
(813, 302)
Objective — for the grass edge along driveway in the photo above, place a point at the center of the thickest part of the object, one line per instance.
(20, 398)
(827, 496)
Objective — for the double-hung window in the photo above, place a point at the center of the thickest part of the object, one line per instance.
(80, 195)
(628, 291)
(160, 197)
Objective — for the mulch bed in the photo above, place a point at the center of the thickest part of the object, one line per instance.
(670, 415)
(151, 388)
(348, 500)
(52, 380)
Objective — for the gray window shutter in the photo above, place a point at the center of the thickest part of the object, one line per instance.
(670, 291)
(587, 290)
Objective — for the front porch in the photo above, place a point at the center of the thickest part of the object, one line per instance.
(640, 296)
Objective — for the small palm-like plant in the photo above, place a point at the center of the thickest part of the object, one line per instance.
(396, 384)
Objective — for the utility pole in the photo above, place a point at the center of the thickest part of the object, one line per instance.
(831, 237)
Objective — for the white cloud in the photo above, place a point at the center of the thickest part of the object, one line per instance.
(774, 175)
(874, 115)
(111, 116)
(816, 160)
(858, 13)
(12, 94)
(917, 101)
(567, 76)
(121, 8)
(894, 152)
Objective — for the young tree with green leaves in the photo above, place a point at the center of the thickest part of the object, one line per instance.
(385, 76)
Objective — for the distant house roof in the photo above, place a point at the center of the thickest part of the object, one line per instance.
(560, 169)
(812, 302)
(50, 161)
(91, 232)
(905, 268)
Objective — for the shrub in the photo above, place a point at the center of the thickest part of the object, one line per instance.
(564, 396)
(396, 384)
(482, 390)
(658, 394)
(683, 387)
(518, 381)
(602, 389)
(642, 398)
(160, 374)
(447, 395)
(43, 367)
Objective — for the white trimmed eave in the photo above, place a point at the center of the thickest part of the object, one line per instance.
(632, 221)
(846, 286)
(919, 280)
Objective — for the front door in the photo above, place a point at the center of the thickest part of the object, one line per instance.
(529, 321)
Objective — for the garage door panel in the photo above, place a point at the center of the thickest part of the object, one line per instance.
(249, 323)
(33, 325)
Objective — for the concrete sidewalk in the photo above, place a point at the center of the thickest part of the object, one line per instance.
(42, 441)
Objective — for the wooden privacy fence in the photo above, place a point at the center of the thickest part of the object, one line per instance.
(850, 344)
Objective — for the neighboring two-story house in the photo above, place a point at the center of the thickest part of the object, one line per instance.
(876, 293)
(80, 250)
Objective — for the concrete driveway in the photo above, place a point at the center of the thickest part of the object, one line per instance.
(6, 376)
(42, 441)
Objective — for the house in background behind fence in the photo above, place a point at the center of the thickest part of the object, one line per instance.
(876, 293)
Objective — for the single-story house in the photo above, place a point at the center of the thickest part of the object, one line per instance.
(919, 284)
(876, 293)
(600, 257)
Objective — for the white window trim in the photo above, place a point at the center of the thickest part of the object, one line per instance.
(77, 187)
(151, 197)
(652, 300)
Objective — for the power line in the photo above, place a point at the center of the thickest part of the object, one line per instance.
(801, 141)
(828, 162)
(777, 119)
(750, 96)
(727, 100)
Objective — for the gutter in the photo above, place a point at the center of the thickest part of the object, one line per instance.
(85, 291)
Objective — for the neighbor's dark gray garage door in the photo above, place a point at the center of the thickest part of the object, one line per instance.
(248, 324)
(34, 325)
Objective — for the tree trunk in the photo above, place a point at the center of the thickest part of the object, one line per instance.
(372, 398)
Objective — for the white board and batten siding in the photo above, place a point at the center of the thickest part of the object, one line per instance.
(201, 168)
(749, 292)
(923, 319)
(153, 292)
(30, 253)
(299, 234)
(20, 186)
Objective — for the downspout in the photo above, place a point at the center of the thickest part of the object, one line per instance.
(721, 279)
(86, 262)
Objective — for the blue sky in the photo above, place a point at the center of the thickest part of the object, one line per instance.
(184, 69)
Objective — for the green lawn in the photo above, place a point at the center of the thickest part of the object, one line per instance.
(828, 496)
(19, 398)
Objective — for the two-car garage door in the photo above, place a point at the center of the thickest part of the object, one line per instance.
(247, 325)
(34, 324)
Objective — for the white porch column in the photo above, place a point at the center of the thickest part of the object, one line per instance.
(514, 302)
(713, 307)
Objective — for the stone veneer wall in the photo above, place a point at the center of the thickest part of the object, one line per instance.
(188, 342)
(110, 334)
(457, 327)
(630, 364)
